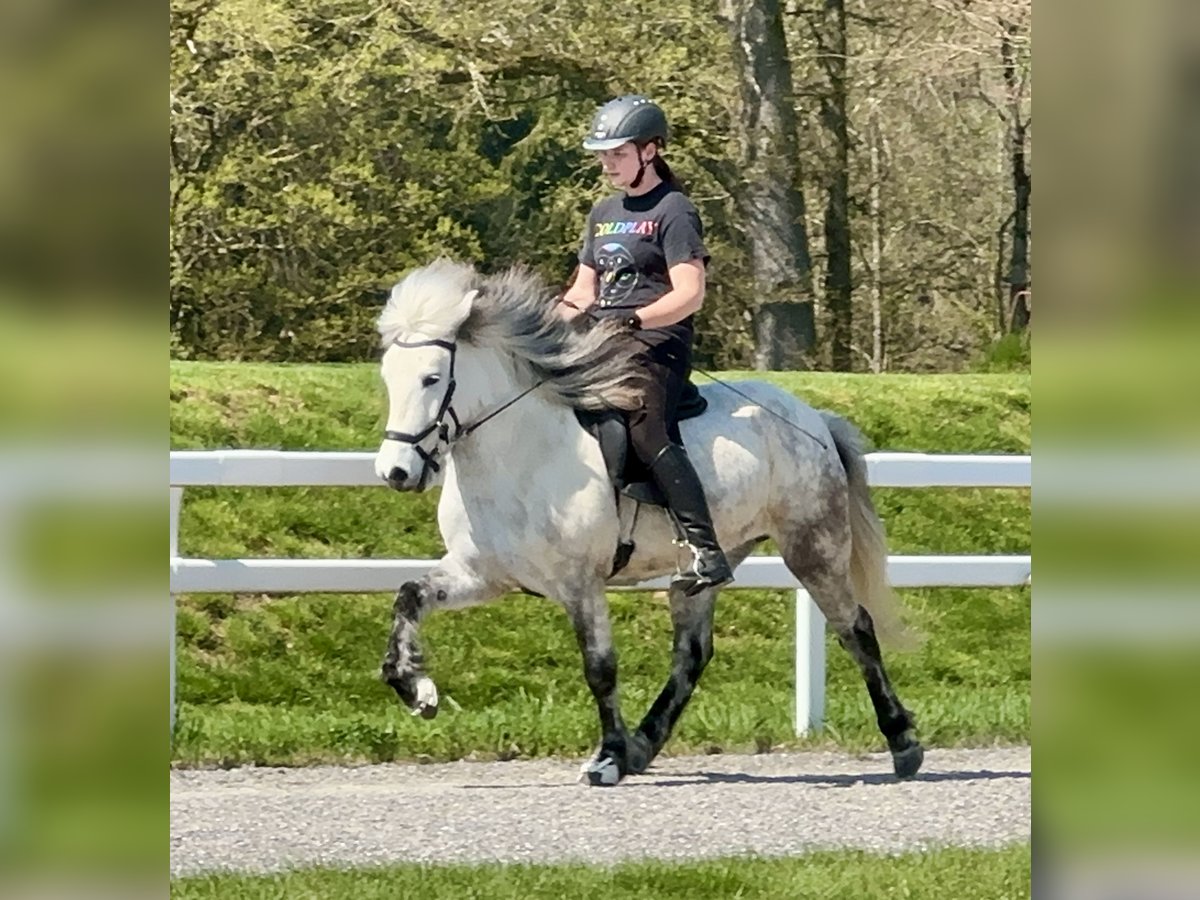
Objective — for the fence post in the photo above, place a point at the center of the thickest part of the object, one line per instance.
(176, 505)
(810, 665)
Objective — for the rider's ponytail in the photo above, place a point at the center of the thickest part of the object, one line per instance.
(665, 173)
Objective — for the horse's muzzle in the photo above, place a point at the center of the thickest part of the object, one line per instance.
(397, 479)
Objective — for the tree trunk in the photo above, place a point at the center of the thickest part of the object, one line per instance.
(838, 287)
(769, 199)
(876, 214)
(999, 278)
(1018, 270)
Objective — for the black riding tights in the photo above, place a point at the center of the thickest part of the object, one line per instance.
(667, 362)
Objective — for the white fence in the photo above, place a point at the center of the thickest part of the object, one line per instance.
(271, 468)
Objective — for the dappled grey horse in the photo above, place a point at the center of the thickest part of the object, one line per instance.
(484, 380)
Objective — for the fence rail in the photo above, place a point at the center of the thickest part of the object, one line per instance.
(304, 468)
(275, 468)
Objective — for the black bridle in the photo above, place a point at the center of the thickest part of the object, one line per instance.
(440, 423)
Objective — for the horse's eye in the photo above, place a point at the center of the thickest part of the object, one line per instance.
(430, 380)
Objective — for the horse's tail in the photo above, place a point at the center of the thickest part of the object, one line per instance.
(868, 554)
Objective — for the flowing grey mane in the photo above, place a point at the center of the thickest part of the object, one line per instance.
(514, 311)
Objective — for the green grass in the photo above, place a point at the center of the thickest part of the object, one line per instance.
(292, 680)
(961, 874)
(329, 406)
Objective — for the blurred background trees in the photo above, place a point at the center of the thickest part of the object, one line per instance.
(863, 168)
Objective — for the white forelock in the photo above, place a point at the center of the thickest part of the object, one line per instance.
(431, 301)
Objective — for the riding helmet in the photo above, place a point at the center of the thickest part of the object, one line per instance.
(628, 118)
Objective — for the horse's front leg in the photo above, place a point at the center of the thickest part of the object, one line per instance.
(589, 616)
(447, 586)
(692, 618)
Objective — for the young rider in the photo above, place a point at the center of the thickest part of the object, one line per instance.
(643, 261)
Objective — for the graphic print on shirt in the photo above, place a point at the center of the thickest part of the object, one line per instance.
(618, 274)
(646, 227)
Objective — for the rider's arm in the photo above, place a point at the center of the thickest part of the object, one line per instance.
(684, 298)
(580, 295)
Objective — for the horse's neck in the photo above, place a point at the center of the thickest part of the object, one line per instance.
(521, 435)
(486, 381)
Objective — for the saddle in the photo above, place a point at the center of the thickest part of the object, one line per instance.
(630, 476)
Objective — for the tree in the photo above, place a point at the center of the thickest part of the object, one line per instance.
(767, 186)
(1004, 26)
(832, 48)
(1016, 75)
(321, 147)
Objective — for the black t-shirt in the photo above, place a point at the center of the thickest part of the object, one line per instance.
(632, 242)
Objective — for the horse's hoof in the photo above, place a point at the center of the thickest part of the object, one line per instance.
(603, 772)
(907, 762)
(637, 759)
(426, 705)
(586, 765)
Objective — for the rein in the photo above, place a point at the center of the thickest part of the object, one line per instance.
(465, 430)
(743, 395)
(765, 409)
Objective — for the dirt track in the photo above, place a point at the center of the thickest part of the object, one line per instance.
(686, 807)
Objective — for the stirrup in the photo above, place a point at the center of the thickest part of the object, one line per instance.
(693, 581)
(693, 584)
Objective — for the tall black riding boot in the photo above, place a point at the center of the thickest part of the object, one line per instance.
(673, 473)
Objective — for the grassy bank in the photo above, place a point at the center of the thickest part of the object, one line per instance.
(289, 680)
(961, 874)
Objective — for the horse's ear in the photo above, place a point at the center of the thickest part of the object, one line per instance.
(462, 308)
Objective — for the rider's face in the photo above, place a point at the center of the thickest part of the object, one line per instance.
(621, 163)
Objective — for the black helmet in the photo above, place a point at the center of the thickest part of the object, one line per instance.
(629, 118)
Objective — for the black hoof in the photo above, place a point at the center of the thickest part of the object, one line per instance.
(428, 711)
(638, 756)
(907, 762)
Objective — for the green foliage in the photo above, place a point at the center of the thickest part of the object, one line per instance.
(1012, 353)
(291, 680)
(321, 148)
(953, 872)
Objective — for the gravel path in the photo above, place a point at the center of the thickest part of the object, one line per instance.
(258, 820)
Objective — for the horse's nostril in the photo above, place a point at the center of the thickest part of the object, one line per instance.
(397, 475)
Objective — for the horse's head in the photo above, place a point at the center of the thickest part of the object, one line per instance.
(418, 328)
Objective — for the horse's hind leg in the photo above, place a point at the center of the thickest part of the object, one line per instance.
(692, 618)
(831, 589)
(894, 720)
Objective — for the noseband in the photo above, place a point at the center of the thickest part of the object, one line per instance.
(440, 423)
